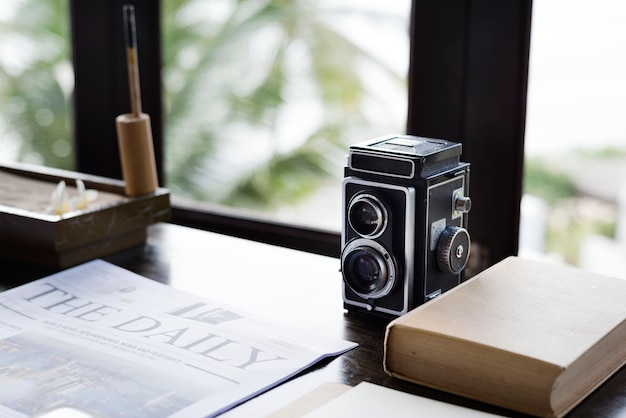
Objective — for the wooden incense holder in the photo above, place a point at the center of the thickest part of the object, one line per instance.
(134, 135)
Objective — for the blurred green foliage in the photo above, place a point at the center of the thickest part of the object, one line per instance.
(262, 97)
(36, 83)
(571, 216)
(545, 180)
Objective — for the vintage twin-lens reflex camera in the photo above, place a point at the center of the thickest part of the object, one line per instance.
(404, 236)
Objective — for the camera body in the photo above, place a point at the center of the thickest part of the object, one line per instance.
(404, 230)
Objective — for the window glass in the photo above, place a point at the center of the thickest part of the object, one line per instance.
(574, 208)
(36, 83)
(263, 98)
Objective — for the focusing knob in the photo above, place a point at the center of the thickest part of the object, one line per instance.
(453, 249)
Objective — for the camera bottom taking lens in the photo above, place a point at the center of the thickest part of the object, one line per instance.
(368, 269)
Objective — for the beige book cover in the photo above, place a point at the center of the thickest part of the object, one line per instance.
(368, 400)
(531, 336)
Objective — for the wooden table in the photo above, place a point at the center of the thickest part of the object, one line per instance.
(293, 287)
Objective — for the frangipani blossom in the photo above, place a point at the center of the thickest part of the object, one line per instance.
(84, 198)
(60, 202)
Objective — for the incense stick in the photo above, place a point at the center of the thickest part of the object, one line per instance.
(131, 59)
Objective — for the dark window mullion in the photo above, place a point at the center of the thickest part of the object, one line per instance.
(467, 83)
(101, 90)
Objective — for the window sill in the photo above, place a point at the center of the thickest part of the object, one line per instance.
(252, 226)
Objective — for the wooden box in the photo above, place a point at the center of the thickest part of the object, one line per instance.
(111, 223)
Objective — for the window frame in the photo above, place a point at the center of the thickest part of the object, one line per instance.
(468, 81)
(468, 78)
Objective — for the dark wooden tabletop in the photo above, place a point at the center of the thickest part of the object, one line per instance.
(292, 287)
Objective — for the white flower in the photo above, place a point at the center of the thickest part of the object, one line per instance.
(84, 198)
(60, 202)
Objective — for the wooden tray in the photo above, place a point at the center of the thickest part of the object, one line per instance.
(112, 223)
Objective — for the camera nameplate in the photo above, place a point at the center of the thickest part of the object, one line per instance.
(400, 167)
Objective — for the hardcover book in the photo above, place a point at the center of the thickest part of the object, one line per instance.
(368, 400)
(530, 336)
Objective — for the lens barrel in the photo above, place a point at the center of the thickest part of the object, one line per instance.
(368, 269)
(367, 215)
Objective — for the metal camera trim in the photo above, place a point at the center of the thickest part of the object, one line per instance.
(406, 268)
(378, 205)
(385, 256)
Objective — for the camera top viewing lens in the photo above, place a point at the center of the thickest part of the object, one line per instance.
(367, 215)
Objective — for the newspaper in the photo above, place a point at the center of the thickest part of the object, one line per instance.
(102, 340)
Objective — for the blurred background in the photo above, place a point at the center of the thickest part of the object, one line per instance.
(263, 97)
